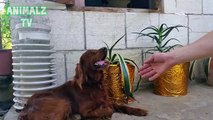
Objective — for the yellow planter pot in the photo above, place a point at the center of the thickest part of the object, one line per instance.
(114, 83)
(173, 82)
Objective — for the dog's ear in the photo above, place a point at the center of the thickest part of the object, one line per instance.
(79, 76)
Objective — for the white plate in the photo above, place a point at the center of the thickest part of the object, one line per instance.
(33, 64)
(18, 106)
(35, 89)
(33, 35)
(33, 83)
(18, 100)
(33, 67)
(16, 94)
(32, 52)
(31, 41)
(32, 57)
(31, 45)
(32, 70)
(33, 77)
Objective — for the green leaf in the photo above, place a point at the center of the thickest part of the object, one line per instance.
(171, 39)
(191, 69)
(162, 27)
(150, 28)
(148, 35)
(157, 40)
(111, 49)
(131, 62)
(138, 84)
(113, 58)
(206, 64)
(125, 75)
(148, 51)
(106, 45)
(172, 47)
(169, 30)
(159, 48)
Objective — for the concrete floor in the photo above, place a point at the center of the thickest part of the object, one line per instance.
(196, 105)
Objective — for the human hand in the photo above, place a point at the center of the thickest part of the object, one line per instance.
(156, 65)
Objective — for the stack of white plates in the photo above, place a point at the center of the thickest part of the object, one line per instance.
(33, 66)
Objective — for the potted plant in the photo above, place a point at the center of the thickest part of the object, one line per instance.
(5, 45)
(119, 76)
(174, 81)
(5, 62)
(201, 70)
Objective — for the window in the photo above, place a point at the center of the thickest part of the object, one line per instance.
(144, 4)
(147, 4)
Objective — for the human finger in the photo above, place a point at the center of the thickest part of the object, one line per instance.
(149, 60)
(155, 76)
(149, 74)
(144, 71)
(144, 66)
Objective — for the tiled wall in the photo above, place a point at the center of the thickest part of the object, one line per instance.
(73, 32)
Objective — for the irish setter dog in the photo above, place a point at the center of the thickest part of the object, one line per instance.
(84, 95)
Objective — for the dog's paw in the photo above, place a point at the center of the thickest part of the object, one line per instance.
(141, 112)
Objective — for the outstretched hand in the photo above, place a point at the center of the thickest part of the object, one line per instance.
(156, 65)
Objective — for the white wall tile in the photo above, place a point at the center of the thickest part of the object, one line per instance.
(59, 68)
(67, 29)
(201, 23)
(135, 22)
(104, 26)
(173, 19)
(193, 36)
(189, 6)
(72, 58)
(207, 6)
(169, 6)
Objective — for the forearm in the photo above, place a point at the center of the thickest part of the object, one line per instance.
(203, 47)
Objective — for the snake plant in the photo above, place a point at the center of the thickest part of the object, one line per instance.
(115, 58)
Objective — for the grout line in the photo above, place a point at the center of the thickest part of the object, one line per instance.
(65, 67)
(188, 28)
(85, 38)
(125, 30)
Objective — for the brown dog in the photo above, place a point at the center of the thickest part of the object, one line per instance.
(85, 95)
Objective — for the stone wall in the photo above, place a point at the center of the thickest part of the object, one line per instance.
(73, 32)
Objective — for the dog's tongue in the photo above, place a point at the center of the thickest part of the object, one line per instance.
(101, 62)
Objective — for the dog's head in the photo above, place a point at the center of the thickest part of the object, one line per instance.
(89, 70)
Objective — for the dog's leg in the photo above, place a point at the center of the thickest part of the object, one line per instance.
(130, 110)
(98, 113)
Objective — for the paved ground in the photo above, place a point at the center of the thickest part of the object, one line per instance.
(196, 105)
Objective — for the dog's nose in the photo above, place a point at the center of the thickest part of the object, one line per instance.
(104, 49)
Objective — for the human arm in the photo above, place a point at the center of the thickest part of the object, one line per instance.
(161, 62)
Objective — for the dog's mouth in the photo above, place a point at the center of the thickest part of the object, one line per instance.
(101, 64)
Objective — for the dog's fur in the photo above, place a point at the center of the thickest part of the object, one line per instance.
(85, 95)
